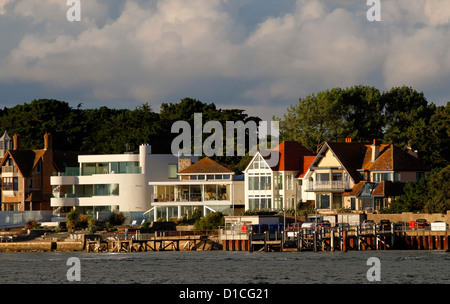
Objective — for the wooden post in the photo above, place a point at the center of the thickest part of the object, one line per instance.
(315, 240)
(392, 235)
(357, 237)
(344, 240)
(445, 241)
(283, 236)
(250, 241)
(266, 246)
(299, 240)
(375, 233)
(332, 239)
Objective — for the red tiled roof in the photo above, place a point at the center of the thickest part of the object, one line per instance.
(307, 161)
(206, 165)
(291, 157)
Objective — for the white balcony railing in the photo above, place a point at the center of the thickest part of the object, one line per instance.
(327, 185)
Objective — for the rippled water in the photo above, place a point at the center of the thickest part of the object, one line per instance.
(222, 267)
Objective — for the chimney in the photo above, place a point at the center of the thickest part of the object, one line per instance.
(48, 141)
(184, 163)
(16, 140)
(375, 149)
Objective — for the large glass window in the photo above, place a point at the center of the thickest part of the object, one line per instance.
(278, 181)
(386, 176)
(290, 182)
(337, 176)
(323, 177)
(259, 202)
(259, 181)
(91, 190)
(259, 163)
(11, 183)
(323, 201)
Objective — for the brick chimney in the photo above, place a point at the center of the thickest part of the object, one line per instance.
(375, 149)
(16, 141)
(48, 145)
(184, 163)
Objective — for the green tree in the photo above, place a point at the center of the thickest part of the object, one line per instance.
(211, 221)
(430, 136)
(404, 107)
(315, 119)
(439, 187)
(72, 219)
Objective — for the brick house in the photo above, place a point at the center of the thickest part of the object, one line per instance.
(25, 175)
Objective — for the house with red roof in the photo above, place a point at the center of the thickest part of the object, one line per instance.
(277, 186)
(360, 176)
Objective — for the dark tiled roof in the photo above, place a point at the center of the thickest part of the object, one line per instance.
(389, 189)
(355, 190)
(354, 156)
(24, 160)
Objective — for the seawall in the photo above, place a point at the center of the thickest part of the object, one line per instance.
(41, 246)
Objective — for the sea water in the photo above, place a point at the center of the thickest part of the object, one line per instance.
(226, 267)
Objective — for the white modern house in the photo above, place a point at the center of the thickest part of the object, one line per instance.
(279, 186)
(204, 185)
(102, 184)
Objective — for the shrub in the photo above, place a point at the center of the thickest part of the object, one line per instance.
(117, 218)
(211, 221)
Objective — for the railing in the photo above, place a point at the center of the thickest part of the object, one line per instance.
(9, 169)
(327, 185)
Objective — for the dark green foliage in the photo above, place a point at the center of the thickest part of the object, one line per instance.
(211, 221)
(105, 130)
(401, 116)
(430, 194)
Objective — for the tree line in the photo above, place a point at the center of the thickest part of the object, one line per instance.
(401, 116)
(106, 130)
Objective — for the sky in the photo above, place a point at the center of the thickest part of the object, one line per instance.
(257, 55)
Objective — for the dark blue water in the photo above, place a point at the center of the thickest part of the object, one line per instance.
(222, 267)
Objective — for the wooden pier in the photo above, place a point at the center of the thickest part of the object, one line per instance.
(190, 243)
(337, 239)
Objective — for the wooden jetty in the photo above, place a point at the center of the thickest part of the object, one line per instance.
(337, 239)
(161, 243)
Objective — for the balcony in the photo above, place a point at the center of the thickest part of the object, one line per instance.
(327, 185)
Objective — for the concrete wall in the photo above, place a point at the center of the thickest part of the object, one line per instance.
(11, 219)
(409, 216)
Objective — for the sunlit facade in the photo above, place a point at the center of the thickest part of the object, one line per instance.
(198, 187)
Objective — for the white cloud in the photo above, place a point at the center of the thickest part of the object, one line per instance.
(151, 52)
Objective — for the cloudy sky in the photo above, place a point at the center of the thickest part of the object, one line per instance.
(259, 55)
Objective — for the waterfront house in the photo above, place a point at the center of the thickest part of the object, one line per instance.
(204, 185)
(278, 186)
(360, 176)
(103, 184)
(25, 175)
